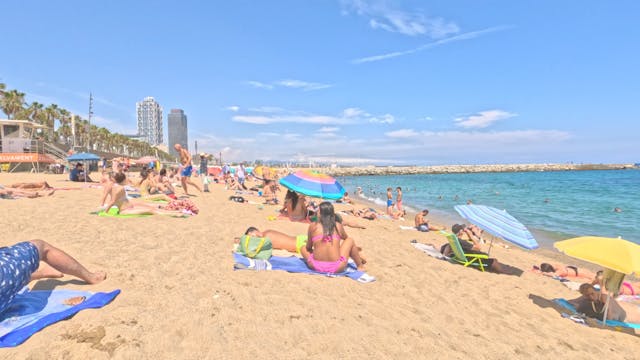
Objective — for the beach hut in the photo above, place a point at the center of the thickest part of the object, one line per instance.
(19, 146)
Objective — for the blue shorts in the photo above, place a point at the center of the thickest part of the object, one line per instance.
(187, 171)
(17, 263)
(389, 203)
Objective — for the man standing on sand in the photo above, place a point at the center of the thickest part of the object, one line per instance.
(399, 199)
(389, 201)
(187, 168)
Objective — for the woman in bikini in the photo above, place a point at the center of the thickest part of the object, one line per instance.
(149, 189)
(566, 271)
(329, 247)
(118, 198)
(296, 208)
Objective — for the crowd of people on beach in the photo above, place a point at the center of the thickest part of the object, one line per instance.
(325, 247)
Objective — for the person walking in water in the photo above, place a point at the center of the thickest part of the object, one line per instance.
(187, 168)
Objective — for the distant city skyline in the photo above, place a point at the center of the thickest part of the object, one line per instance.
(149, 116)
(177, 130)
(348, 81)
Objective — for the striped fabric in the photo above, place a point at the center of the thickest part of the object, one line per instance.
(314, 184)
(499, 223)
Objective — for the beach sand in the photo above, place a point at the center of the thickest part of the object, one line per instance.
(181, 298)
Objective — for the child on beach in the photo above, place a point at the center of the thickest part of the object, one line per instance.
(329, 247)
(389, 201)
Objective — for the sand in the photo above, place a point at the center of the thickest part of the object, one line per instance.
(181, 298)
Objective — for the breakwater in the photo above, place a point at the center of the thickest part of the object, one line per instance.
(459, 169)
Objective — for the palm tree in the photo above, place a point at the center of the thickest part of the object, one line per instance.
(11, 102)
(3, 87)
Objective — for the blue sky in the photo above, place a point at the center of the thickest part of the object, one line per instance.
(353, 81)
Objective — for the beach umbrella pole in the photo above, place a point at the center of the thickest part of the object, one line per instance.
(606, 309)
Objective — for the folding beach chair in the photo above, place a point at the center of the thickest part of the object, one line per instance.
(459, 255)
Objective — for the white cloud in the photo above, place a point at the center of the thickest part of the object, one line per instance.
(304, 85)
(395, 147)
(402, 133)
(267, 109)
(479, 138)
(260, 85)
(384, 119)
(277, 115)
(483, 119)
(384, 17)
(460, 37)
(233, 108)
(291, 84)
(326, 129)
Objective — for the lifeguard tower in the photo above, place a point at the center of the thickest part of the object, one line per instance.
(20, 147)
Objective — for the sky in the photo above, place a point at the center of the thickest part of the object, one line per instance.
(381, 82)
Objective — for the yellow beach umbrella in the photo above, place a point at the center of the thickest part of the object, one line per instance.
(618, 256)
(615, 254)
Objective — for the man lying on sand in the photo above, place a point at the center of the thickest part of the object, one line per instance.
(20, 263)
(14, 193)
(280, 240)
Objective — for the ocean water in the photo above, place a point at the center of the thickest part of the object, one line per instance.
(553, 205)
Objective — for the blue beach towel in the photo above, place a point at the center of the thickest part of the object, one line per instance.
(565, 304)
(31, 311)
(296, 265)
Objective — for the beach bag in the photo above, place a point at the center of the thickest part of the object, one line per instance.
(255, 247)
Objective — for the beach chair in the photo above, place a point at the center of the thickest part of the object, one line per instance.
(459, 255)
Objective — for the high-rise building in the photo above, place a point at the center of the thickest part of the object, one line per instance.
(150, 120)
(177, 125)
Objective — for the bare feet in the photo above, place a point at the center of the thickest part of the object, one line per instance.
(74, 300)
(96, 277)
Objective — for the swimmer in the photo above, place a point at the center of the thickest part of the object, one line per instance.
(617, 209)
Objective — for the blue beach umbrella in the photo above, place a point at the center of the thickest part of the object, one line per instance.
(499, 223)
(314, 184)
(83, 157)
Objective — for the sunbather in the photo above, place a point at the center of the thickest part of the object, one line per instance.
(20, 264)
(329, 247)
(118, 198)
(296, 207)
(592, 304)
(563, 271)
(280, 240)
(42, 185)
(422, 224)
(13, 193)
(470, 243)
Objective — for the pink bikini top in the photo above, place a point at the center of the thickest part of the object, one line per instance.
(325, 238)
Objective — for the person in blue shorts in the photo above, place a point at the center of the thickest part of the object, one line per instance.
(20, 263)
(187, 168)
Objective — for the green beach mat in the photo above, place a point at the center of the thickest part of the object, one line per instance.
(113, 212)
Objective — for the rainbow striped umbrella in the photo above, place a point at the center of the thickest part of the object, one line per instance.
(313, 183)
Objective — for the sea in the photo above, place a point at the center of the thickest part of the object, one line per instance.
(553, 205)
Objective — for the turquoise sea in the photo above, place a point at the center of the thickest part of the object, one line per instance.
(553, 205)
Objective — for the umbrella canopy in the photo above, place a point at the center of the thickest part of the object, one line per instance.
(499, 223)
(314, 184)
(83, 157)
(616, 254)
(146, 160)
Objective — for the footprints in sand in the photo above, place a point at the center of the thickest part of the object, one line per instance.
(94, 337)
